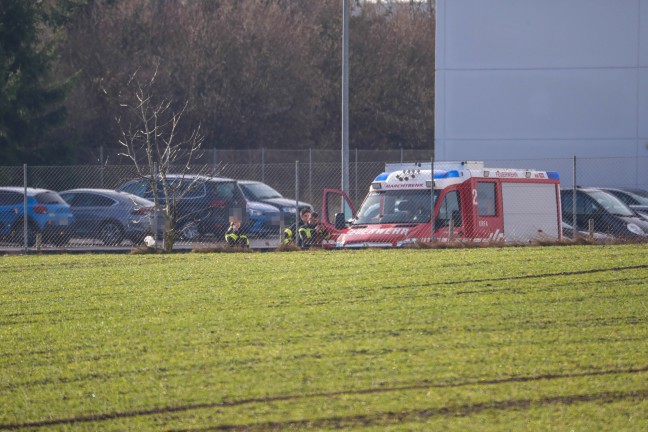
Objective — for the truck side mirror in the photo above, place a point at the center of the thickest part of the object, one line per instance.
(340, 222)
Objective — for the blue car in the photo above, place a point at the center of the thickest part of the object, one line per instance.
(47, 214)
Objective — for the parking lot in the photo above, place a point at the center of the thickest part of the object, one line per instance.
(95, 213)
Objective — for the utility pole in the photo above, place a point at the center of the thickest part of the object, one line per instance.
(345, 96)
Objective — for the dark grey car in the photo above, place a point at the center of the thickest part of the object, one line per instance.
(257, 192)
(109, 216)
(603, 213)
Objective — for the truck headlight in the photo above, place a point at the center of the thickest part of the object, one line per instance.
(289, 210)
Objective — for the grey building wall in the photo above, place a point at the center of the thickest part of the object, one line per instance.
(526, 79)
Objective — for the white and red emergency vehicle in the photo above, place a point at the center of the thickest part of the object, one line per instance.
(470, 202)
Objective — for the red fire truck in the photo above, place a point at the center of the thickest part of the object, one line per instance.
(470, 202)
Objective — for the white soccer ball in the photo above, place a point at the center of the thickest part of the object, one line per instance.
(149, 241)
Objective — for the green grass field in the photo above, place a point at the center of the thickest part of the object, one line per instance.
(533, 338)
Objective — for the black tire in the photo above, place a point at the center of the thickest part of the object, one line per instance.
(111, 233)
(189, 231)
(31, 235)
(59, 240)
(138, 239)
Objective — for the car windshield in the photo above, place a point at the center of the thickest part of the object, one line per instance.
(259, 191)
(639, 199)
(611, 203)
(396, 206)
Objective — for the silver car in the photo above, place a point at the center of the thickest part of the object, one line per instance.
(109, 216)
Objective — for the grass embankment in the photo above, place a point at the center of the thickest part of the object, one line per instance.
(536, 338)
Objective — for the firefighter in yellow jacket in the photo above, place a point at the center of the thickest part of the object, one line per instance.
(234, 236)
(314, 232)
(290, 233)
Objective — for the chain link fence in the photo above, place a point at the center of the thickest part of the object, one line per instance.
(88, 213)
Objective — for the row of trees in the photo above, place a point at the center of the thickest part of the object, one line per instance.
(255, 73)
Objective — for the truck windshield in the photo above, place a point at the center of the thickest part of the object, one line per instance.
(396, 206)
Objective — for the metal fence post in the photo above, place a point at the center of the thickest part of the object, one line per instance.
(297, 219)
(574, 221)
(25, 222)
(355, 186)
(101, 165)
(155, 210)
(432, 219)
(310, 174)
(263, 164)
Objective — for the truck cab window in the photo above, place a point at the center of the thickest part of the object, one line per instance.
(486, 199)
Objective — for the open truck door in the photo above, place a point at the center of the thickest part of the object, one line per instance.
(337, 213)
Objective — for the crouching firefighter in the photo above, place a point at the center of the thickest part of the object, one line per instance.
(234, 236)
(313, 233)
(290, 234)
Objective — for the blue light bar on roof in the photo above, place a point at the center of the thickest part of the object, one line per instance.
(441, 174)
(382, 177)
(553, 175)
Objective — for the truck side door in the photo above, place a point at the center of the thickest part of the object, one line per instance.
(337, 211)
(449, 222)
(487, 210)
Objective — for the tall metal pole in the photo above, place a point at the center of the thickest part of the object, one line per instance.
(25, 223)
(574, 197)
(345, 96)
(432, 218)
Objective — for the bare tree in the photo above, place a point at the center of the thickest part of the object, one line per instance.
(151, 141)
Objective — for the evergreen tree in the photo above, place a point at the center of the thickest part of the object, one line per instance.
(28, 106)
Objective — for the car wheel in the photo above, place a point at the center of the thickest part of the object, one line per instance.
(16, 236)
(59, 240)
(111, 234)
(31, 235)
(189, 231)
(137, 238)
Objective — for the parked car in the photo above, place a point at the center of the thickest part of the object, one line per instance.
(47, 214)
(258, 192)
(206, 204)
(110, 216)
(608, 214)
(568, 233)
(636, 199)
